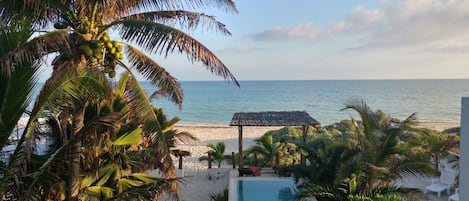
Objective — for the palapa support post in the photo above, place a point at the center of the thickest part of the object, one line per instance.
(305, 131)
(277, 159)
(233, 161)
(255, 159)
(240, 146)
(180, 162)
(209, 160)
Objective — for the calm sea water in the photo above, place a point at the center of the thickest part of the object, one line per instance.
(214, 102)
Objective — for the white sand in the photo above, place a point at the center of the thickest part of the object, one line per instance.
(199, 182)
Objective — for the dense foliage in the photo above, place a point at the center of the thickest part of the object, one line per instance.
(103, 135)
(359, 159)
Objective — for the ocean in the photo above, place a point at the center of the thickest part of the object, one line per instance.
(214, 102)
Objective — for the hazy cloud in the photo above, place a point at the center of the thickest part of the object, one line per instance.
(301, 31)
(422, 22)
(238, 49)
(358, 19)
(434, 24)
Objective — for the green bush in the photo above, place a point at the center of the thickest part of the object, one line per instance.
(220, 196)
(375, 198)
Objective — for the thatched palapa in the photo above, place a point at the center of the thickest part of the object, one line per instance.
(283, 118)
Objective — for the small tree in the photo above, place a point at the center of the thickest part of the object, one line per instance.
(218, 153)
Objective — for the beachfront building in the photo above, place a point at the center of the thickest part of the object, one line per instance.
(464, 150)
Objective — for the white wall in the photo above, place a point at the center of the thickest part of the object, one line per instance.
(464, 146)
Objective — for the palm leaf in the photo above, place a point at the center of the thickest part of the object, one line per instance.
(16, 88)
(227, 5)
(366, 114)
(145, 177)
(156, 74)
(124, 184)
(128, 139)
(35, 49)
(189, 20)
(100, 191)
(163, 39)
(141, 105)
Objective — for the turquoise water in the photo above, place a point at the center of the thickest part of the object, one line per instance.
(214, 102)
(266, 190)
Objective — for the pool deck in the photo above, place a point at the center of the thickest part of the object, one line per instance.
(267, 174)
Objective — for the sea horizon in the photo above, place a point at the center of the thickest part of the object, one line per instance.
(214, 102)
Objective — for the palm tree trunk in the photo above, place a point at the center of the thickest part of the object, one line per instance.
(73, 184)
(437, 163)
(77, 124)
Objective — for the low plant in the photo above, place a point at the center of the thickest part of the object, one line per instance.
(220, 196)
(375, 198)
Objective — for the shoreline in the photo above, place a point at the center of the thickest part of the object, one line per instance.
(441, 124)
(212, 133)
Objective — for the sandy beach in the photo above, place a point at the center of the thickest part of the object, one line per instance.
(199, 183)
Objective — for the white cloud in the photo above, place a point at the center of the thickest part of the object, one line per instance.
(421, 22)
(238, 49)
(358, 19)
(306, 31)
(429, 23)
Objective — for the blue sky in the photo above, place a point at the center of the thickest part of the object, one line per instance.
(334, 39)
(331, 39)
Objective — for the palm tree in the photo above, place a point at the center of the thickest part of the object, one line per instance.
(15, 97)
(115, 151)
(217, 152)
(435, 143)
(265, 147)
(331, 164)
(384, 156)
(81, 41)
(171, 134)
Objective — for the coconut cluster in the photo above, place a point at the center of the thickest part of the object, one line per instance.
(97, 48)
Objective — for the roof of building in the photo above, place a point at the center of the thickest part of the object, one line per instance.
(271, 118)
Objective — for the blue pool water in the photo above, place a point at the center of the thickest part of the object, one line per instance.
(266, 190)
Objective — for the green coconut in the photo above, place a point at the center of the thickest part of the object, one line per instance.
(97, 53)
(85, 49)
(94, 44)
(120, 56)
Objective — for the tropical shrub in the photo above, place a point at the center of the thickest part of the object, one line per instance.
(220, 196)
(376, 198)
(217, 153)
(364, 161)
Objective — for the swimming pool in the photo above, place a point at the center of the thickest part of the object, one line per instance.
(262, 189)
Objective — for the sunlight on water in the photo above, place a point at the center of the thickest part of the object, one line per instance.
(214, 102)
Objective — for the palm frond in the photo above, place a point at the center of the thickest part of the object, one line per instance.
(163, 39)
(366, 114)
(15, 96)
(108, 119)
(152, 129)
(186, 19)
(15, 88)
(35, 49)
(39, 11)
(156, 74)
(227, 5)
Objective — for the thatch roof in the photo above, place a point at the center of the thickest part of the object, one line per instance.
(283, 118)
